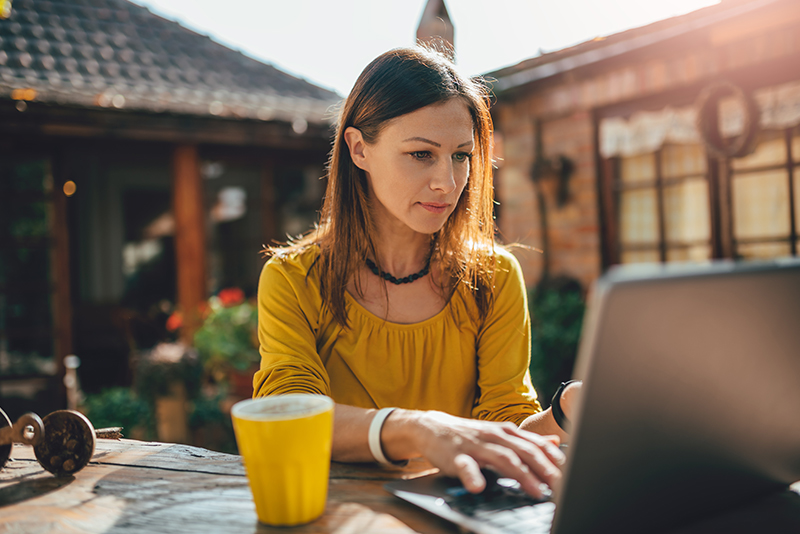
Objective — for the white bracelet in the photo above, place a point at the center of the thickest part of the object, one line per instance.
(374, 437)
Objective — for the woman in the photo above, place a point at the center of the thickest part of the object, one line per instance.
(401, 299)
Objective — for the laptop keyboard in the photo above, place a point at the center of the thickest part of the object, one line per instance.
(503, 507)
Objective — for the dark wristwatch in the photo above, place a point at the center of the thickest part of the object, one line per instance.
(555, 405)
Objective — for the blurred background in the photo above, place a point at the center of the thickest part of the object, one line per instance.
(149, 149)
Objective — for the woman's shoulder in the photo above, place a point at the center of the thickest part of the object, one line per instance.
(506, 264)
(505, 258)
(503, 267)
(507, 272)
(293, 261)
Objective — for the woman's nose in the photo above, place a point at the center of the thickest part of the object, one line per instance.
(444, 178)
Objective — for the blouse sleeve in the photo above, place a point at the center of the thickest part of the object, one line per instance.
(505, 391)
(288, 318)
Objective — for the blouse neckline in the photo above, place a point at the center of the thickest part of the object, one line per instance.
(364, 312)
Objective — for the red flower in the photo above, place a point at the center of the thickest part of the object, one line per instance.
(175, 321)
(231, 296)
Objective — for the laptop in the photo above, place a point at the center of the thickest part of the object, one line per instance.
(690, 406)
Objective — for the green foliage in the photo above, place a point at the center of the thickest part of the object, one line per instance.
(228, 338)
(556, 318)
(165, 365)
(118, 407)
(206, 410)
(210, 425)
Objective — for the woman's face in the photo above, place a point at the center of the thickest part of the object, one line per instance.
(418, 167)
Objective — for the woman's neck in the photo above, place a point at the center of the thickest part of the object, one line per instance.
(402, 255)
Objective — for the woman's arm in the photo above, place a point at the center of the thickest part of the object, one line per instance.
(458, 447)
(545, 423)
(288, 314)
(504, 358)
(505, 391)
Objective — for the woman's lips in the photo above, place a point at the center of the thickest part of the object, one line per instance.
(434, 207)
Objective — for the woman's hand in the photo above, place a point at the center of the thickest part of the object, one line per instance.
(461, 447)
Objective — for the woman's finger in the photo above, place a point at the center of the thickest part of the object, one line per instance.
(551, 449)
(540, 461)
(549, 444)
(469, 472)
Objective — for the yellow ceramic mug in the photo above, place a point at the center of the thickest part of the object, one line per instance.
(285, 442)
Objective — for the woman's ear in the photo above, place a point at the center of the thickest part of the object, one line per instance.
(355, 142)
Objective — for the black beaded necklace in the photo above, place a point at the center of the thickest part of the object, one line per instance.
(397, 281)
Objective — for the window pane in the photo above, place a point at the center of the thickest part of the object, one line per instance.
(771, 151)
(752, 251)
(693, 253)
(638, 169)
(761, 204)
(796, 145)
(639, 256)
(638, 219)
(797, 199)
(686, 211)
(683, 160)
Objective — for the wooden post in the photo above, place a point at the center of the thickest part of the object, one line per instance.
(188, 208)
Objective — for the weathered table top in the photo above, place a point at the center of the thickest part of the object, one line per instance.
(133, 486)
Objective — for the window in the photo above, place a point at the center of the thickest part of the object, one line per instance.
(28, 255)
(663, 206)
(678, 204)
(764, 195)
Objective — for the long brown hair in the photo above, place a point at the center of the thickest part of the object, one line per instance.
(396, 83)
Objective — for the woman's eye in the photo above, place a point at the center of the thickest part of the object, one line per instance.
(421, 154)
(462, 156)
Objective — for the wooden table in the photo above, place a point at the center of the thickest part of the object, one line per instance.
(140, 487)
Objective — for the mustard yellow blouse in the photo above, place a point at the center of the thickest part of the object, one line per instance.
(451, 362)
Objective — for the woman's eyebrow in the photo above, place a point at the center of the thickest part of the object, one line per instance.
(434, 143)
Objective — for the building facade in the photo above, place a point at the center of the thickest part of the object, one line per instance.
(677, 141)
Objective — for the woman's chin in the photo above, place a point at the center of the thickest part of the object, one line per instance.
(428, 227)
